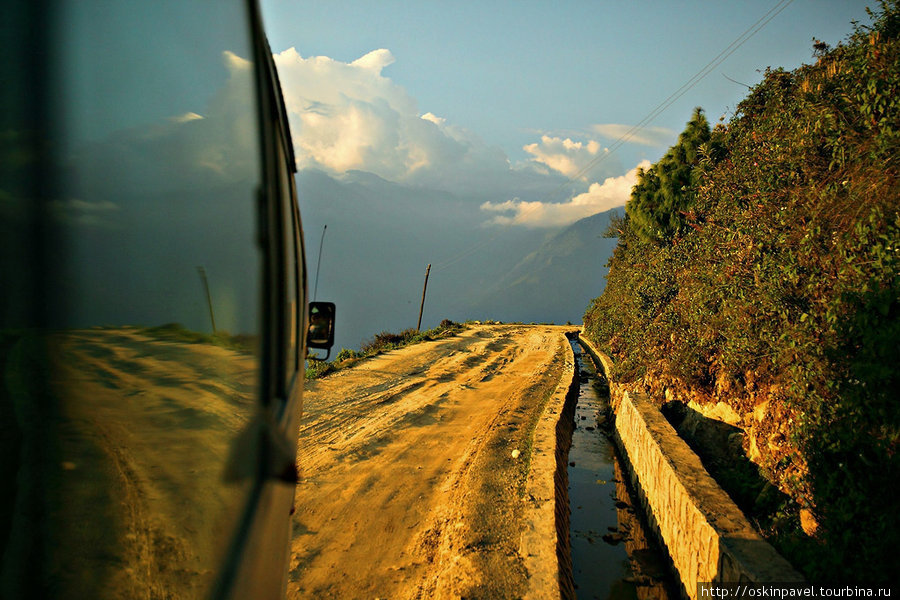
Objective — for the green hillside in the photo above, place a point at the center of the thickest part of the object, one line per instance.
(759, 265)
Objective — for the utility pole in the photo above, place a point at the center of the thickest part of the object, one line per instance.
(319, 263)
(212, 317)
(422, 305)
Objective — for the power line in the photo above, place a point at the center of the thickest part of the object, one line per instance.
(739, 41)
(690, 83)
(464, 253)
(455, 258)
(681, 91)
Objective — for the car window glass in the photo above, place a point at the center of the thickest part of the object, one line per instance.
(122, 415)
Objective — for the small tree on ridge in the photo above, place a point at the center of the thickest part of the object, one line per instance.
(665, 191)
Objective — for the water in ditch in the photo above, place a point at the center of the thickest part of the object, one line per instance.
(612, 555)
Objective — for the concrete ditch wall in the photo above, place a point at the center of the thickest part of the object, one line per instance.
(707, 536)
(544, 544)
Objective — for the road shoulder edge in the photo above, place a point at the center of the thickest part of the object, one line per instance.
(544, 543)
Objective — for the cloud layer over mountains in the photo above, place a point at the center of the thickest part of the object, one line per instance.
(401, 187)
(600, 197)
(350, 116)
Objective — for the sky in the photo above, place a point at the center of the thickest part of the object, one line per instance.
(475, 137)
(473, 134)
(490, 96)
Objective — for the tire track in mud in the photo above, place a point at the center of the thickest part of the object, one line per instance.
(396, 394)
(151, 419)
(409, 487)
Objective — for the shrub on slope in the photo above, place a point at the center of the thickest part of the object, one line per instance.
(784, 287)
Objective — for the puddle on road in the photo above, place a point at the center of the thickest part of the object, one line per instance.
(612, 557)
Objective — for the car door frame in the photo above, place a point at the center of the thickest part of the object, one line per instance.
(256, 562)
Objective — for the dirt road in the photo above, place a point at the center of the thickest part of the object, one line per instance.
(410, 486)
(128, 470)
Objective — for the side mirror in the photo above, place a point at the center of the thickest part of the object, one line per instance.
(321, 327)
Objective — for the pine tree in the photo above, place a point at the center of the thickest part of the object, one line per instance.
(665, 191)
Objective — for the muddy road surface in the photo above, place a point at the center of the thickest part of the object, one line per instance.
(414, 464)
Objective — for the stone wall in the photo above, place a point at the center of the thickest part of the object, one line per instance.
(706, 535)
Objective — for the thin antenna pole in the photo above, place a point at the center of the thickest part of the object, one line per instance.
(319, 263)
(422, 305)
(212, 317)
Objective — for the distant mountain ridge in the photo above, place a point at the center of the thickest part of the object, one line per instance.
(557, 280)
(381, 235)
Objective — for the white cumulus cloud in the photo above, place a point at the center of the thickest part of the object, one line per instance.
(612, 193)
(375, 60)
(351, 116)
(434, 118)
(188, 116)
(347, 116)
(564, 155)
(647, 136)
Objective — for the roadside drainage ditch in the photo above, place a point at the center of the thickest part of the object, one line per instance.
(612, 555)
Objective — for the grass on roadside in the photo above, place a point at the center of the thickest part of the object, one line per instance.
(382, 342)
(178, 333)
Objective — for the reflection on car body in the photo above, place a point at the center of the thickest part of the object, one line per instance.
(148, 417)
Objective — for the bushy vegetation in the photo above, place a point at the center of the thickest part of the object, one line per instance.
(382, 342)
(779, 278)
